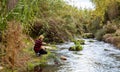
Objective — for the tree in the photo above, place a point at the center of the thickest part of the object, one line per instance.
(11, 4)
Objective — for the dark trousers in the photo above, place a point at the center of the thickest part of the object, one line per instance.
(42, 51)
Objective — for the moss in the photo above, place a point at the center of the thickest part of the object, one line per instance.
(72, 48)
(77, 46)
(81, 41)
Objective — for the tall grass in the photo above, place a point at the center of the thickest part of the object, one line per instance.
(13, 45)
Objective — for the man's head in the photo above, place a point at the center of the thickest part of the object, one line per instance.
(41, 37)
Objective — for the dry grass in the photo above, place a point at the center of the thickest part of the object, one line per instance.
(106, 36)
(13, 41)
(117, 33)
(115, 40)
(110, 27)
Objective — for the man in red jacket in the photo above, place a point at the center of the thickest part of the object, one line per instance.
(38, 46)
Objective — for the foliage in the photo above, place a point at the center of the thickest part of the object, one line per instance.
(23, 11)
(109, 12)
(109, 7)
(57, 24)
(77, 46)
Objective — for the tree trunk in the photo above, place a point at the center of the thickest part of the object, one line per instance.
(11, 4)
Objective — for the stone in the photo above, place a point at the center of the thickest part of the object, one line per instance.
(63, 58)
(1, 67)
(88, 35)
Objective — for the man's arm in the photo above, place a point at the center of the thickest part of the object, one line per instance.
(43, 43)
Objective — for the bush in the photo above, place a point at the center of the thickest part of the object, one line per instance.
(110, 28)
(99, 34)
(36, 29)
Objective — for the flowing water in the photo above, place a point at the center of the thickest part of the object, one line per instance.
(95, 57)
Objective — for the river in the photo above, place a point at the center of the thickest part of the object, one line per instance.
(96, 56)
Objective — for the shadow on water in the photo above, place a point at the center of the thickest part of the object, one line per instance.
(95, 57)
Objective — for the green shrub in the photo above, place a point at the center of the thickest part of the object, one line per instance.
(99, 34)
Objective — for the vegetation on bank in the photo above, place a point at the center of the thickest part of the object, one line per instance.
(107, 13)
(22, 21)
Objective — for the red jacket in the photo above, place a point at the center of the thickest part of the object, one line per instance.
(37, 46)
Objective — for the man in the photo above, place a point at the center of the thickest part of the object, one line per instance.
(38, 48)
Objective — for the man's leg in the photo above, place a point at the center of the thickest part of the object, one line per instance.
(42, 51)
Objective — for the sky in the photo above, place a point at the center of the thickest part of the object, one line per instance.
(81, 3)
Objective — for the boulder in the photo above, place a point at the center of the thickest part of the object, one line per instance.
(88, 35)
(1, 67)
(106, 50)
(63, 58)
(91, 41)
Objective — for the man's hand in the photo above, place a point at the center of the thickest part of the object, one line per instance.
(44, 43)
